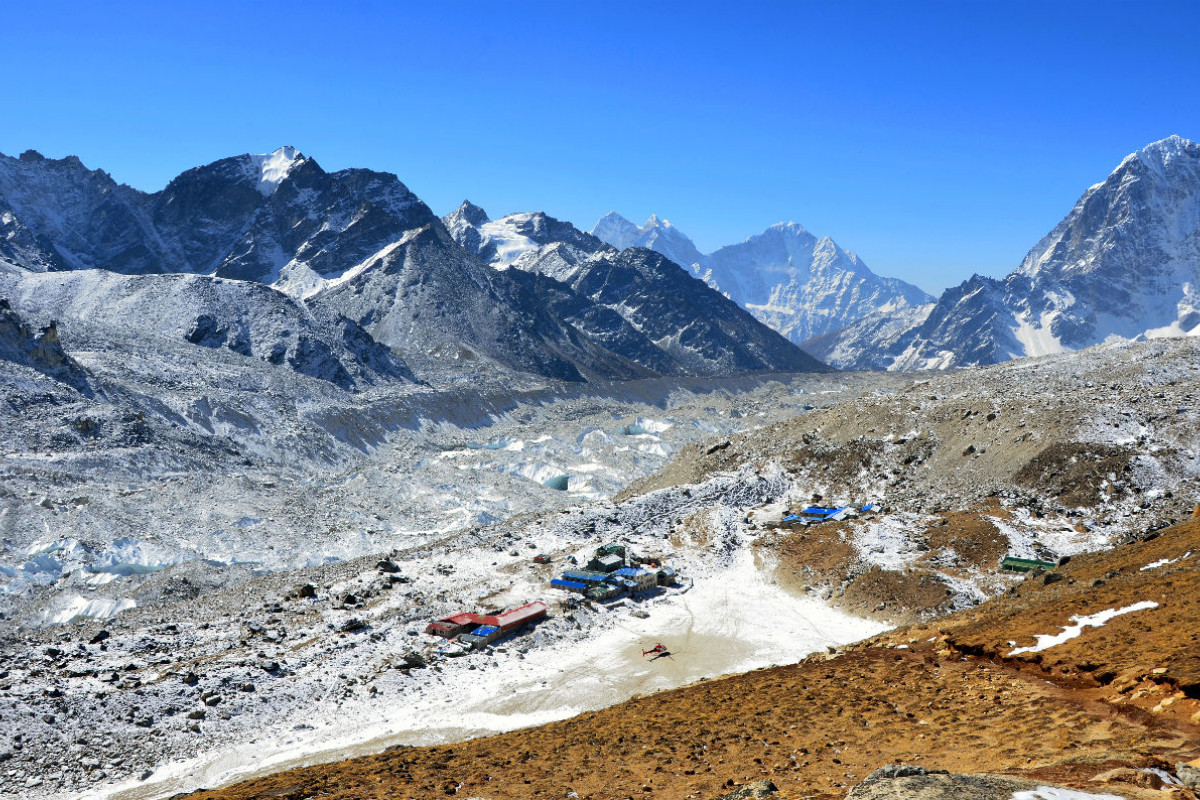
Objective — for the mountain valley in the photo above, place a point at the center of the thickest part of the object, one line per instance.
(262, 427)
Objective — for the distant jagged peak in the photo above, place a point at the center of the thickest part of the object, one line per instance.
(470, 213)
(33, 159)
(274, 167)
(787, 228)
(826, 244)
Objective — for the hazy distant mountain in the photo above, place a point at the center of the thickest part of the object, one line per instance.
(657, 234)
(789, 279)
(1123, 264)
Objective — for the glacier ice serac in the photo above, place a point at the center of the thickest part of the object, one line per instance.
(1123, 265)
(796, 283)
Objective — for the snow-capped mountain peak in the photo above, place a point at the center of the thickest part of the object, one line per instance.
(789, 279)
(657, 234)
(1121, 265)
(274, 167)
(471, 213)
(1164, 150)
(792, 228)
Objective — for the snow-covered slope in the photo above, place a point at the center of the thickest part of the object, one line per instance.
(1123, 264)
(154, 312)
(639, 304)
(789, 279)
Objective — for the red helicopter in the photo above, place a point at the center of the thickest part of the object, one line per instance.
(656, 650)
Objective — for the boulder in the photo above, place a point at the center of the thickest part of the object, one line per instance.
(751, 791)
(930, 785)
(1189, 773)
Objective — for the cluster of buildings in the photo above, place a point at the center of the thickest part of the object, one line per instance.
(478, 630)
(613, 572)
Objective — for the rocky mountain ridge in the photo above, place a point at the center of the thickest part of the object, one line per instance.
(1123, 264)
(636, 299)
(353, 244)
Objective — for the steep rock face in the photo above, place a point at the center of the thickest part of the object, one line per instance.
(969, 324)
(1123, 264)
(795, 283)
(654, 312)
(424, 295)
(282, 220)
(693, 324)
(277, 219)
(58, 214)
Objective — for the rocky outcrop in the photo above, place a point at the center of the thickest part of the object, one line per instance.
(899, 782)
(42, 351)
(751, 791)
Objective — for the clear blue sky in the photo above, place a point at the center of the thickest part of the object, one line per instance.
(934, 139)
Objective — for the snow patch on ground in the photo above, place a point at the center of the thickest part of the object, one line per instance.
(1097, 620)
(75, 607)
(886, 542)
(1053, 793)
(1046, 539)
(1165, 561)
